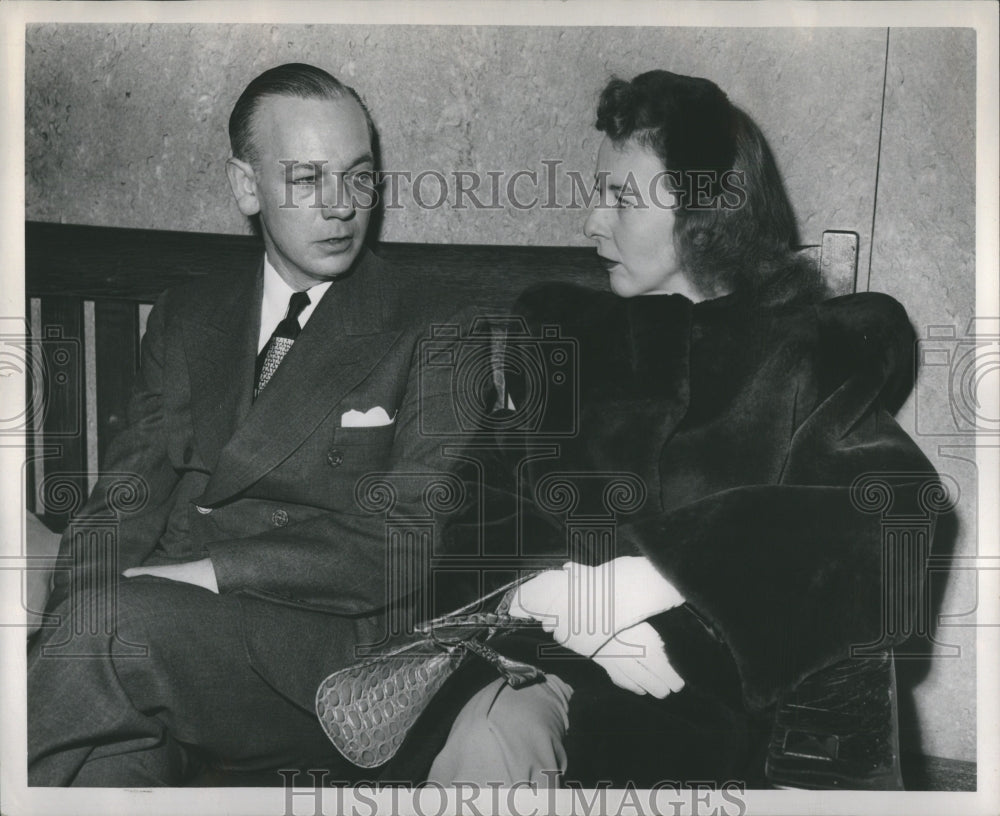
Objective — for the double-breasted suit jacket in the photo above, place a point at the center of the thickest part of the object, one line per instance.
(267, 488)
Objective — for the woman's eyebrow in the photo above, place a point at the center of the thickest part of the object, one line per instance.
(601, 183)
(364, 158)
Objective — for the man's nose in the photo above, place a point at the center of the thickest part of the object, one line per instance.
(338, 198)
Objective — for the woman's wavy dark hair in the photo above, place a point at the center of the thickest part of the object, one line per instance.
(738, 233)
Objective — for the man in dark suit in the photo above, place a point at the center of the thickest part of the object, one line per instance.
(251, 568)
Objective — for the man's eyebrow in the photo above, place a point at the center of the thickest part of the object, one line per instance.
(319, 165)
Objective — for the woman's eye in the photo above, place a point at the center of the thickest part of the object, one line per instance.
(304, 180)
(624, 202)
(363, 177)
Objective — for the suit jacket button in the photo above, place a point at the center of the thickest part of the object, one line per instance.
(203, 510)
(335, 457)
(279, 518)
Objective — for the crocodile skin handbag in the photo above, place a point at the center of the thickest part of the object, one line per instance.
(367, 710)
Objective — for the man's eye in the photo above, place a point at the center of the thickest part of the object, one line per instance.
(625, 202)
(304, 180)
(363, 177)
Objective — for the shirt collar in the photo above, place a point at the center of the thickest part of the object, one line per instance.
(277, 292)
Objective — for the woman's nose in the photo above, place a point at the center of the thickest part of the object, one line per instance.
(593, 227)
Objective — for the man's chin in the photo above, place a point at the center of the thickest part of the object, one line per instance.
(336, 265)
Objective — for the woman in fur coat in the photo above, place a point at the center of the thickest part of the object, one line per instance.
(706, 533)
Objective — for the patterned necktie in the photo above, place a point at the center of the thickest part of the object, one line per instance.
(281, 341)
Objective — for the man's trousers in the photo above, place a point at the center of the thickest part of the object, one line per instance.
(167, 693)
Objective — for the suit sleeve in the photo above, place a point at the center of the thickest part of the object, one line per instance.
(340, 561)
(137, 482)
(790, 575)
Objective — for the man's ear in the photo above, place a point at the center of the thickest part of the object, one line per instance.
(244, 183)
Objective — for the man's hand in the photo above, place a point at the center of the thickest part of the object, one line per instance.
(200, 573)
(648, 673)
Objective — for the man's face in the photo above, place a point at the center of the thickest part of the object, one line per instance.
(311, 153)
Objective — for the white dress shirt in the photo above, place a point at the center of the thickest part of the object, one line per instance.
(274, 305)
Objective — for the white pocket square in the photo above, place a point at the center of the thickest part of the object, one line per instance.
(372, 418)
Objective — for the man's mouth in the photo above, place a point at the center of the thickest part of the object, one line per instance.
(337, 244)
(607, 263)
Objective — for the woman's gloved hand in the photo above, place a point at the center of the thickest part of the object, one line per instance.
(636, 660)
(584, 606)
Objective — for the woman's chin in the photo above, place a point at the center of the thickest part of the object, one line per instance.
(620, 284)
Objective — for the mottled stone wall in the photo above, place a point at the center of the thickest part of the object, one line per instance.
(924, 253)
(126, 126)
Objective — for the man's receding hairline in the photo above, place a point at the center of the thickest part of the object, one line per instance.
(261, 100)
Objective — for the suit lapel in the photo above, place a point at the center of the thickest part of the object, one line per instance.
(342, 342)
(221, 351)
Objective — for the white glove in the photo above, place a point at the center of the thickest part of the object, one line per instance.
(541, 597)
(583, 606)
(635, 660)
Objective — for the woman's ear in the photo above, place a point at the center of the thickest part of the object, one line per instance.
(244, 184)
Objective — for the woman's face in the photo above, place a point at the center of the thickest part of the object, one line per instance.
(633, 223)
